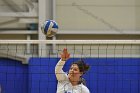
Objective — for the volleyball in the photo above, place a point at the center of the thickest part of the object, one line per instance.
(49, 28)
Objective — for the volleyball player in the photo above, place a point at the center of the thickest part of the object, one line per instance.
(71, 82)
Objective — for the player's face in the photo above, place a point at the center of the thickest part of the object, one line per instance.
(74, 72)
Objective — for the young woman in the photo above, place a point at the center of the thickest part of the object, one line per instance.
(71, 82)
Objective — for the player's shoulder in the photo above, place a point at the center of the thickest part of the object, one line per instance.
(85, 89)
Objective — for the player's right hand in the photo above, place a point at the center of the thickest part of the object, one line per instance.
(65, 55)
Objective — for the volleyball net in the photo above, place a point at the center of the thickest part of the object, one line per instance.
(115, 66)
(81, 48)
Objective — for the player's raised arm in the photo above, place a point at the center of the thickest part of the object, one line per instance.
(60, 74)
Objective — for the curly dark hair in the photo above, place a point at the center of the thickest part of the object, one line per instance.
(83, 67)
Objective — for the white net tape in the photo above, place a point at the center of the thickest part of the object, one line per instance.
(70, 41)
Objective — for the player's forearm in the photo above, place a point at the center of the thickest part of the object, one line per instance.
(59, 66)
(58, 70)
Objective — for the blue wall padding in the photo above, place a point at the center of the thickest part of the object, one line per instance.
(41, 75)
(106, 75)
(13, 76)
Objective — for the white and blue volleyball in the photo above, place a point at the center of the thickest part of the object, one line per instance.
(49, 28)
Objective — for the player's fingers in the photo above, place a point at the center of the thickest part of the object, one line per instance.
(65, 50)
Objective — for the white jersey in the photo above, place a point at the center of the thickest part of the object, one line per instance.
(64, 85)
